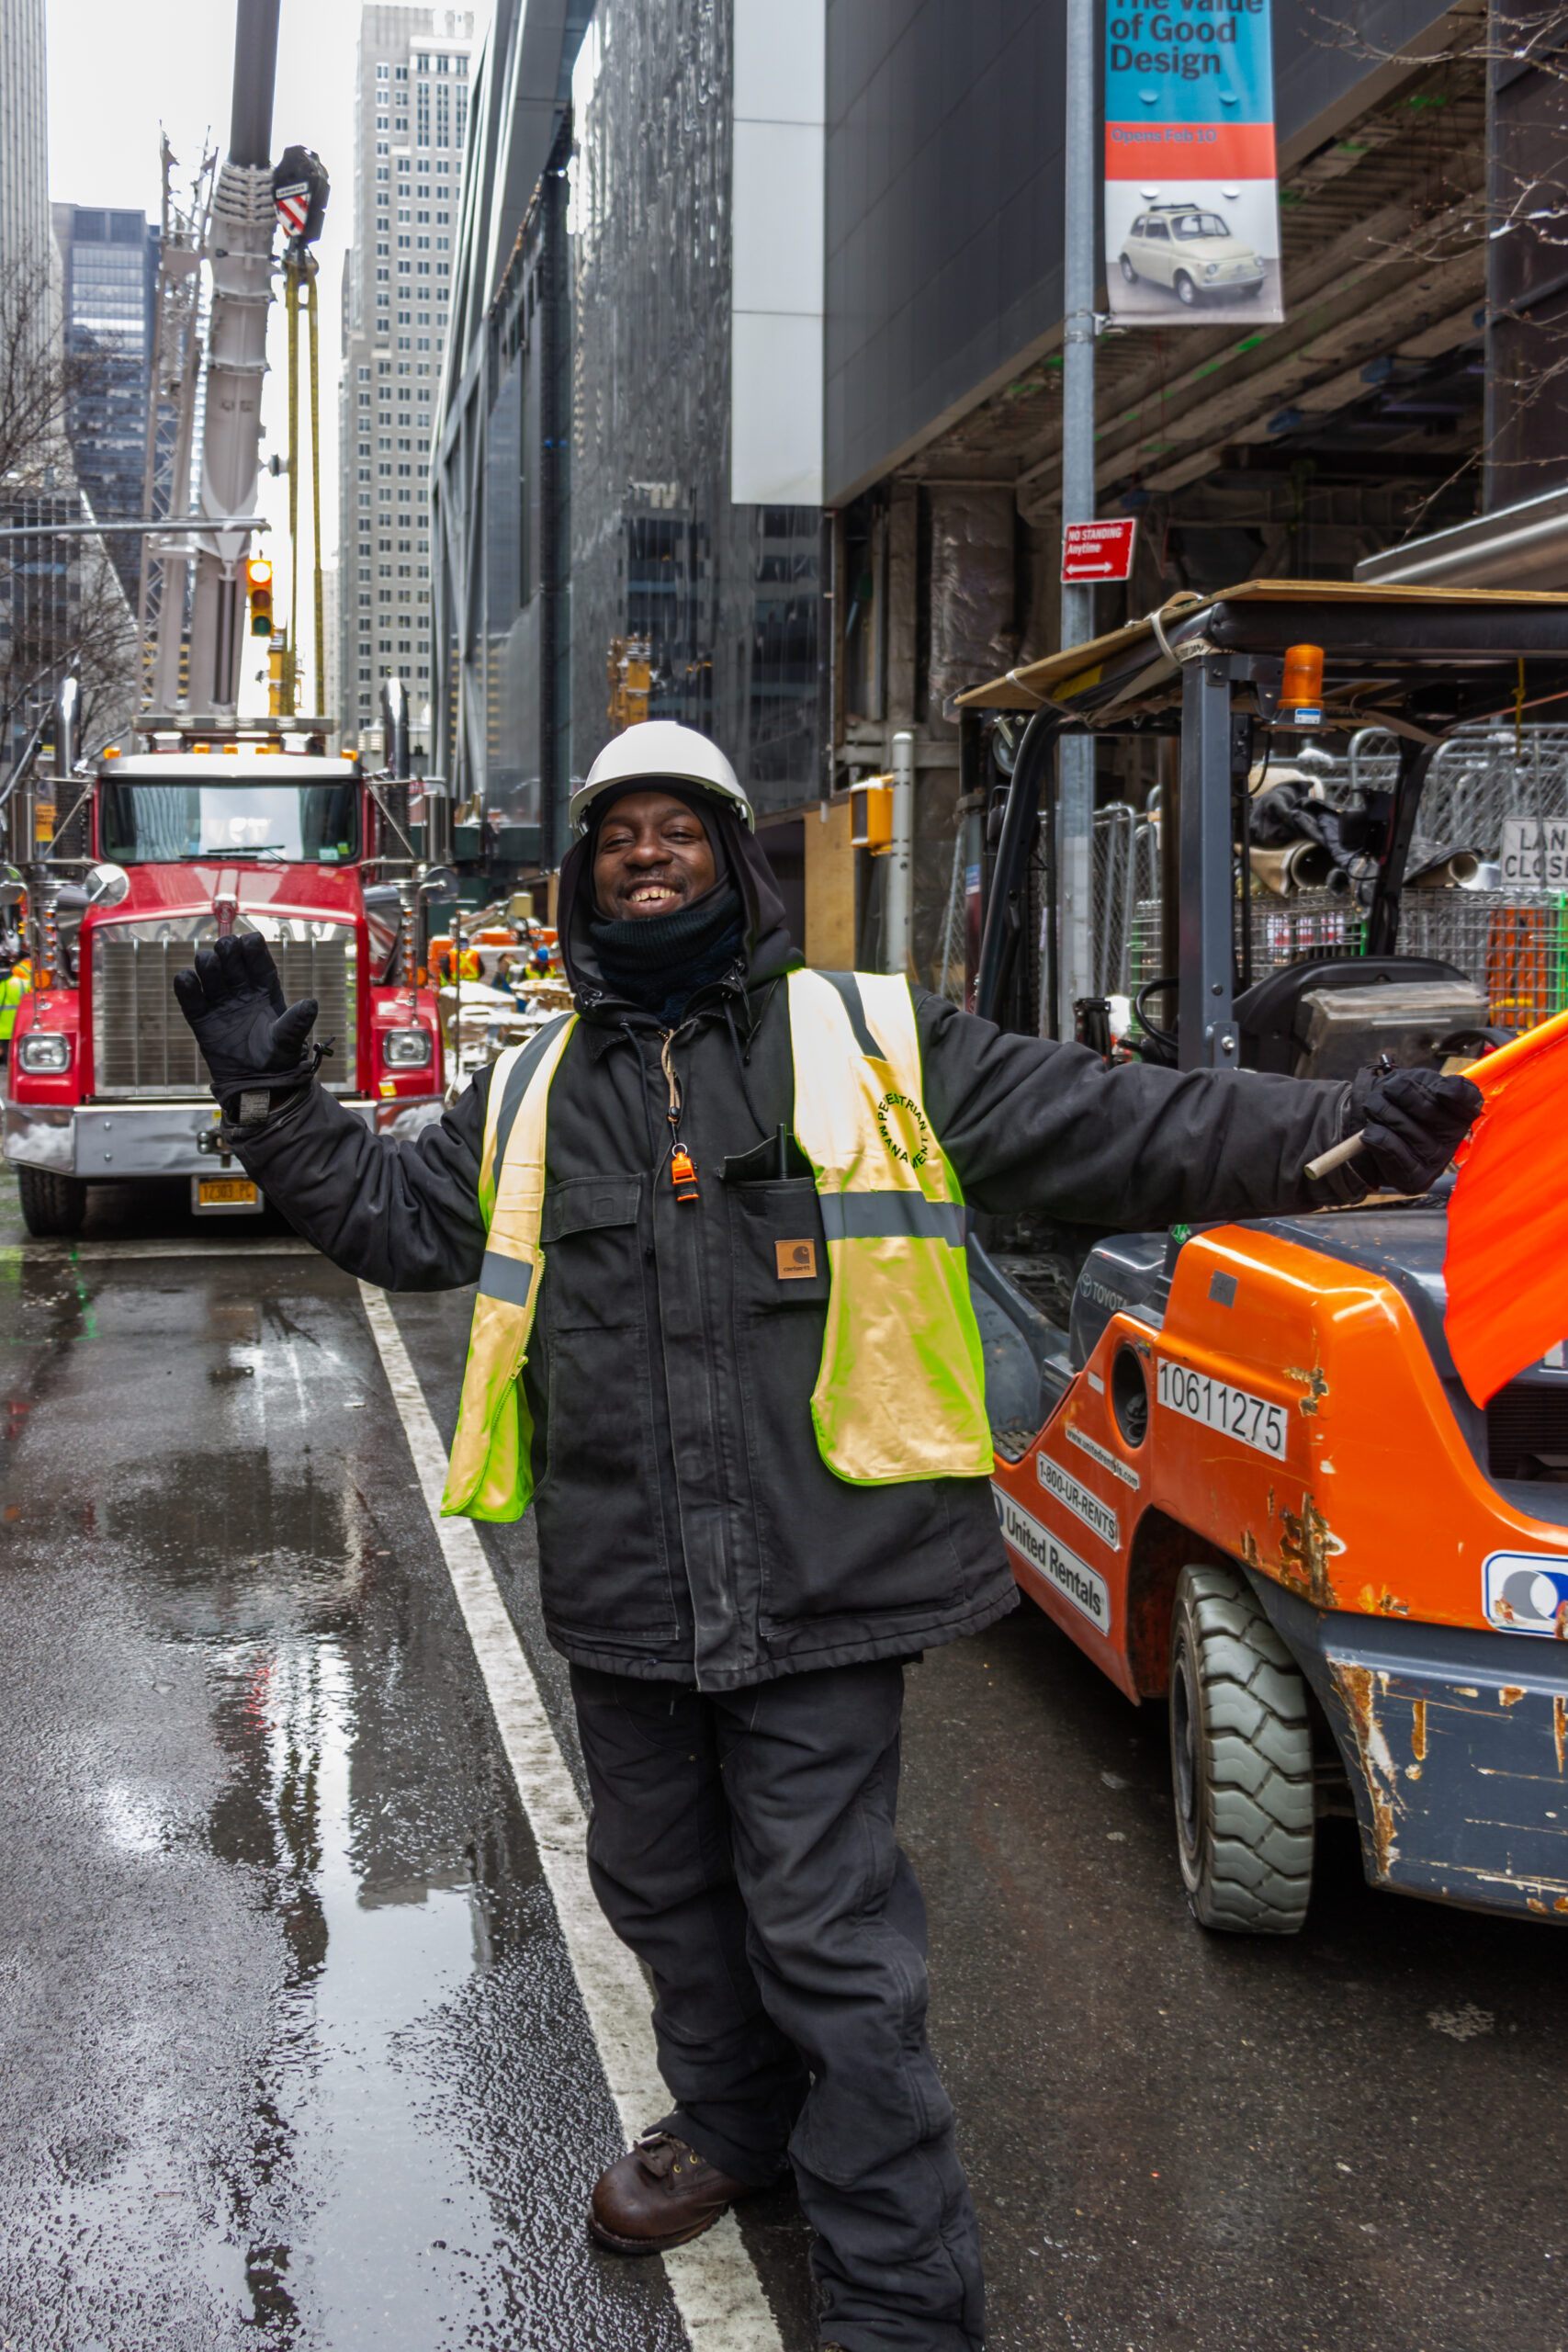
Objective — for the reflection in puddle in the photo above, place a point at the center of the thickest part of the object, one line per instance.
(348, 2091)
(302, 2062)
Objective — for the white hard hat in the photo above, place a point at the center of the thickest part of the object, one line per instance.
(656, 749)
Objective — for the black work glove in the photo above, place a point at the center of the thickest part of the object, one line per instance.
(1412, 1122)
(252, 1044)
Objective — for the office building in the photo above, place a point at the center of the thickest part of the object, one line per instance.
(411, 126)
(631, 427)
(24, 135)
(109, 278)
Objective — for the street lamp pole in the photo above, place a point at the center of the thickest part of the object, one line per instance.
(1076, 754)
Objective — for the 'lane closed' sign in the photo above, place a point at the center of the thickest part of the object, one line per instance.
(1098, 550)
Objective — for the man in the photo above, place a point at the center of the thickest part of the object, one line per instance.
(723, 1337)
(17, 984)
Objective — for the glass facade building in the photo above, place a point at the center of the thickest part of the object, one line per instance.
(630, 438)
(411, 126)
(109, 264)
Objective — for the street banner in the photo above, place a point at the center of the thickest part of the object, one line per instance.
(1098, 550)
(1192, 200)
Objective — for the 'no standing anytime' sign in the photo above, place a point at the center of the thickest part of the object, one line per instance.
(1098, 550)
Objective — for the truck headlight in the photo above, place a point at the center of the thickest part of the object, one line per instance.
(43, 1052)
(406, 1048)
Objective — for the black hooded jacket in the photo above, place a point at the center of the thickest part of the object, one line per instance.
(688, 1528)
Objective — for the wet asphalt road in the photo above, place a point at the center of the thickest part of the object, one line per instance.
(290, 2051)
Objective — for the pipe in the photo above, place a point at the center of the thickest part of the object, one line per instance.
(395, 728)
(67, 727)
(897, 936)
(255, 70)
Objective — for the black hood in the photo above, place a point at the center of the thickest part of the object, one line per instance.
(766, 945)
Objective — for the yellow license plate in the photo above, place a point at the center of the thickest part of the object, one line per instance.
(225, 1192)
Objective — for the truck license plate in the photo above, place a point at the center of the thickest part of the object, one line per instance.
(1233, 1411)
(224, 1193)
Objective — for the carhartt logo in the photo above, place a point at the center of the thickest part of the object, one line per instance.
(796, 1260)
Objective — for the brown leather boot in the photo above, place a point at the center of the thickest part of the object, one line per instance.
(659, 2194)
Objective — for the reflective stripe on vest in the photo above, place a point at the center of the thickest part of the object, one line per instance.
(901, 1392)
(490, 1474)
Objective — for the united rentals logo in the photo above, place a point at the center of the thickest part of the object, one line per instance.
(918, 1147)
(1072, 1577)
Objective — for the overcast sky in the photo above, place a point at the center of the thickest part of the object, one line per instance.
(116, 72)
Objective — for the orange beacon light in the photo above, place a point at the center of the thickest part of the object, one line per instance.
(1301, 697)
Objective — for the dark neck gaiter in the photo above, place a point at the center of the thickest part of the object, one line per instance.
(659, 962)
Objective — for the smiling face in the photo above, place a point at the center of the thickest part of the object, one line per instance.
(651, 857)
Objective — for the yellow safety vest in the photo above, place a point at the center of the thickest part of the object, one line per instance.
(901, 1390)
(13, 989)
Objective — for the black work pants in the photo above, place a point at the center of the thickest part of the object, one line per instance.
(742, 1844)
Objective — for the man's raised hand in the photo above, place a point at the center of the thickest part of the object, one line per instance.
(250, 1040)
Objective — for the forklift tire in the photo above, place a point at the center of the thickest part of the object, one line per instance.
(1241, 1760)
(52, 1204)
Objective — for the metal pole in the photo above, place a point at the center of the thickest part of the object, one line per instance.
(1206, 1023)
(320, 696)
(1076, 754)
(898, 926)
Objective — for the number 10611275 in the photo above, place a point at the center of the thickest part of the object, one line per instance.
(1233, 1411)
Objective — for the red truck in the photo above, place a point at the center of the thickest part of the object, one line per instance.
(104, 1083)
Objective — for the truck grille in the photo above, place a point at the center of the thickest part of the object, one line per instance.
(141, 1041)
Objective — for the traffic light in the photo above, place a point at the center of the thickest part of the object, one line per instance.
(258, 587)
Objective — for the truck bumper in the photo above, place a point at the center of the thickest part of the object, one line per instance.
(1456, 1745)
(112, 1143)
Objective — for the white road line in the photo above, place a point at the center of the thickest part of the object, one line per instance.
(716, 2290)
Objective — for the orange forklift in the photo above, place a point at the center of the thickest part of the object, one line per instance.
(1235, 1463)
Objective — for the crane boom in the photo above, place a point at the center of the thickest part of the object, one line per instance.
(240, 246)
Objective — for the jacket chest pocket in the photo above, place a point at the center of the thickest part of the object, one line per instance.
(594, 1277)
(781, 1252)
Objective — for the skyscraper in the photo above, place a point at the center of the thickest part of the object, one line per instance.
(110, 266)
(24, 135)
(411, 121)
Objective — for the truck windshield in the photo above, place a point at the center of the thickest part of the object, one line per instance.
(158, 824)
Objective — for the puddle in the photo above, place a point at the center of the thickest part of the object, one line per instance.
(350, 2090)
